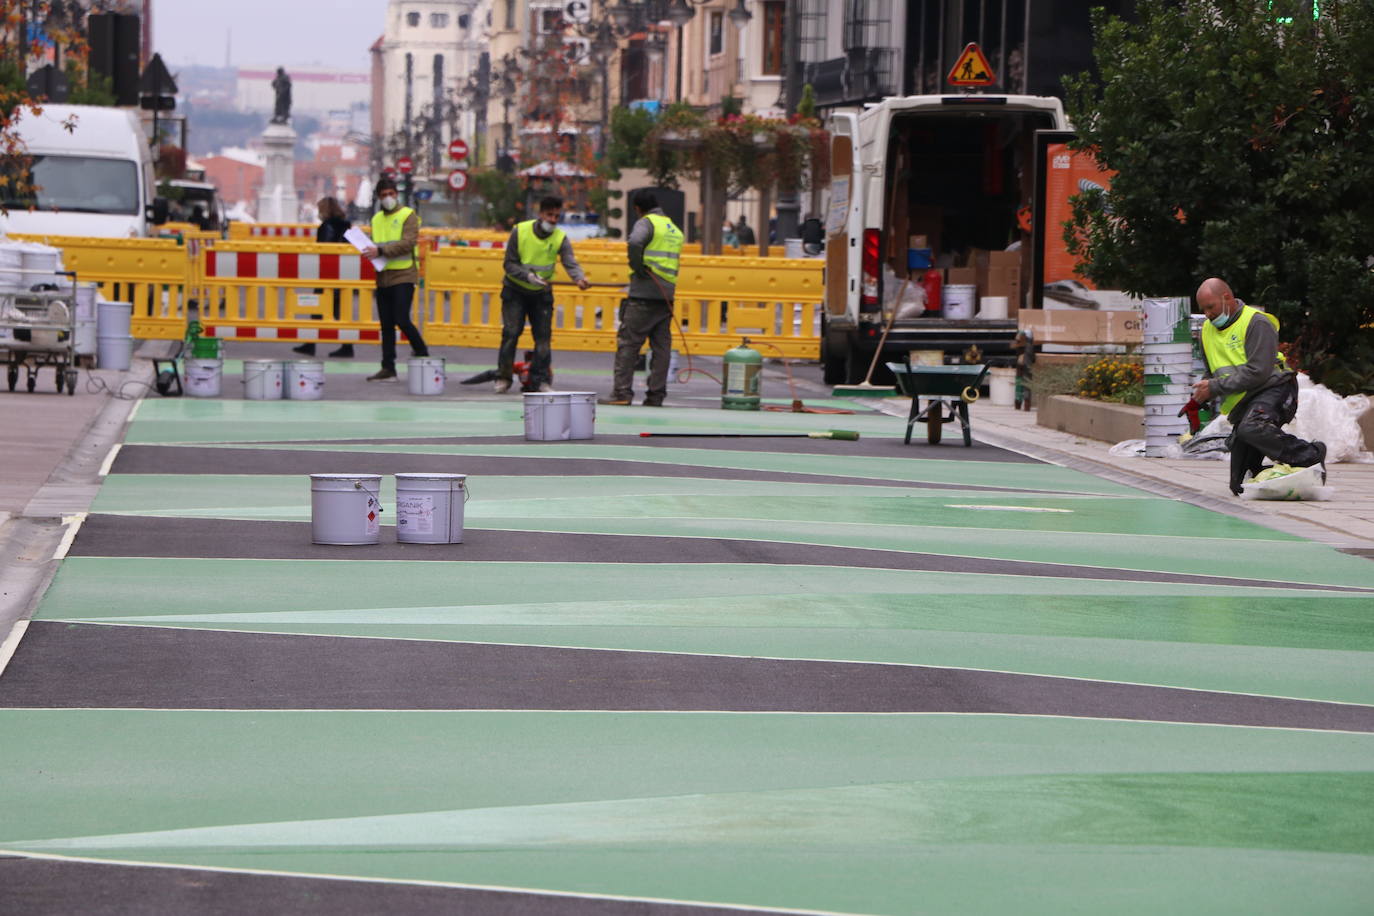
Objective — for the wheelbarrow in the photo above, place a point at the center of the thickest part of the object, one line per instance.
(948, 391)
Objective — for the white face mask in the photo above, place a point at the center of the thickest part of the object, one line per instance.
(547, 226)
(388, 201)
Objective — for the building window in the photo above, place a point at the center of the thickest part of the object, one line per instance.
(438, 20)
(772, 37)
(412, 19)
(510, 14)
(464, 21)
(717, 32)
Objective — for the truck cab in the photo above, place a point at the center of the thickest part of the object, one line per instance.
(938, 180)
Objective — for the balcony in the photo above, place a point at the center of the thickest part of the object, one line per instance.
(864, 75)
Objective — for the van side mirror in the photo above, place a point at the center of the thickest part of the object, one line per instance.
(157, 213)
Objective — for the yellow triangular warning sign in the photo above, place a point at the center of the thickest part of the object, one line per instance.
(971, 69)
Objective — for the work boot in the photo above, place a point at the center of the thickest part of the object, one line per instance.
(652, 402)
(306, 349)
(344, 352)
(382, 376)
(615, 400)
(501, 385)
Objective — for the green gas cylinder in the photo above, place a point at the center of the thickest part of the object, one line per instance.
(739, 388)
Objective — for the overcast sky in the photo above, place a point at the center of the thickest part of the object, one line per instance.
(334, 34)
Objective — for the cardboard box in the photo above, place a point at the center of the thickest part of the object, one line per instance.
(919, 241)
(1082, 326)
(1003, 278)
(926, 221)
(958, 275)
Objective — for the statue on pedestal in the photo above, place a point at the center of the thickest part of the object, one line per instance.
(282, 86)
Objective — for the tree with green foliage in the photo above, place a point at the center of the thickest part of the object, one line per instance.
(503, 197)
(1241, 133)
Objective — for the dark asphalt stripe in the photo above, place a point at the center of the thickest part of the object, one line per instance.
(55, 887)
(141, 536)
(153, 459)
(867, 446)
(82, 666)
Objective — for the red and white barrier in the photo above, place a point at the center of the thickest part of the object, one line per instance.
(278, 231)
(253, 332)
(256, 265)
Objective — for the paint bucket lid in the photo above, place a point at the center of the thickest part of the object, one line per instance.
(417, 475)
(303, 362)
(345, 476)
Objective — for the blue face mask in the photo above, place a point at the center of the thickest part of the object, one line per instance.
(1222, 320)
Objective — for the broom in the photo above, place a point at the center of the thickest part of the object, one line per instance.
(866, 389)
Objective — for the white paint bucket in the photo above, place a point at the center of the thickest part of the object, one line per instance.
(1001, 387)
(429, 508)
(262, 379)
(113, 319)
(41, 264)
(581, 414)
(84, 339)
(86, 295)
(957, 300)
(548, 415)
(11, 260)
(345, 509)
(791, 248)
(114, 352)
(304, 380)
(203, 377)
(425, 375)
(993, 307)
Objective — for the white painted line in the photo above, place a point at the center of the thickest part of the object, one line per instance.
(12, 642)
(73, 523)
(130, 418)
(1006, 508)
(109, 459)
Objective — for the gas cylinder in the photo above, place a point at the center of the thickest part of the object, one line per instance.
(739, 388)
(930, 282)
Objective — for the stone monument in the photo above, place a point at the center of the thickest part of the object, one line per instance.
(277, 198)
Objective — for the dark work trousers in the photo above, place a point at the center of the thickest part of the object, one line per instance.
(393, 311)
(517, 307)
(1257, 433)
(641, 318)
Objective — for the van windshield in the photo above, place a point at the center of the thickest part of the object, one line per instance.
(80, 184)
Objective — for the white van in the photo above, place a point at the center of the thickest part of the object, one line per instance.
(95, 179)
(943, 174)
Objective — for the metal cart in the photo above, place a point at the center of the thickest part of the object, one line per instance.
(38, 329)
(948, 391)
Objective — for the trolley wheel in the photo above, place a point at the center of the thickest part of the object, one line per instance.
(935, 418)
(33, 381)
(12, 376)
(71, 381)
(57, 374)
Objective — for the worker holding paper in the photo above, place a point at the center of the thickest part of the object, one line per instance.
(395, 234)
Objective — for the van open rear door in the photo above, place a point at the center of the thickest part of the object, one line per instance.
(843, 220)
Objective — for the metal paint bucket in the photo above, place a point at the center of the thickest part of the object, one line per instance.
(114, 352)
(429, 508)
(581, 414)
(262, 379)
(83, 337)
(304, 380)
(548, 415)
(425, 375)
(345, 509)
(957, 300)
(113, 319)
(203, 377)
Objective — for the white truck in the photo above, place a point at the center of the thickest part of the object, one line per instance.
(94, 179)
(953, 171)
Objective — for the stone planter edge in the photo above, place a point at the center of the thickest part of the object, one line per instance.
(1091, 419)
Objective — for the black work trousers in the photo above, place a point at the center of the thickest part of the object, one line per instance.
(641, 318)
(517, 307)
(1257, 433)
(393, 311)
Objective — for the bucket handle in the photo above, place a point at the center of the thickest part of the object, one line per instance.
(358, 485)
(467, 493)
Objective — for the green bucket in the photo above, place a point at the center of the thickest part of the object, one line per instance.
(205, 348)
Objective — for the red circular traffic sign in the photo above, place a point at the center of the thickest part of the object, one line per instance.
(457, 180)
(389, 172)
(405, 165)
(458, 149)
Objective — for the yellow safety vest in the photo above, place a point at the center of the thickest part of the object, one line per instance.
(387, 227)
(540, 256)
(1225, 349)
(664, 250)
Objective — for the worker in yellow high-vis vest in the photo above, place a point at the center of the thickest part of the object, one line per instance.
(1249, 376)
(654, 248)
(532, 253)
(395, 235)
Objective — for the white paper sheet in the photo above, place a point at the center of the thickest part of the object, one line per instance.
(361, 240)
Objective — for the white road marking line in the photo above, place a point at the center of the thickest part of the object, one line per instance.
(1005, 508)
(73, 523)
(12, 642)
(109, 459)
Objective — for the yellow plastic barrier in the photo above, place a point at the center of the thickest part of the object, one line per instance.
(153, 274)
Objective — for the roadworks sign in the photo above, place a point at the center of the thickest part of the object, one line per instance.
(971, 69)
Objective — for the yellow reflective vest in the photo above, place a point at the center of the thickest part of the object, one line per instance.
(539, 256)
(387, 227)
(1225, 349)
(664, 250)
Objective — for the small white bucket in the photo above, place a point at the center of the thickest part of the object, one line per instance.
(548, 416)
(993, 307)
(41, 264)
(86, 295)
(262, 380)
(113, 319)
(11, 261)
(204, 377)
(429, 508)
(345, 509)
(581, 414)
(84, 337)
(114, 352)
(425, 375)
(1001, 387)
(957, 300)
(304, 380)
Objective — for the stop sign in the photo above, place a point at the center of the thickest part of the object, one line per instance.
(458, 149)
(405, 165)
(457, 180)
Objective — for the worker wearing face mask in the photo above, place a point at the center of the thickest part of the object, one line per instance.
(395, 234)
(1258, 392)
(532, 252)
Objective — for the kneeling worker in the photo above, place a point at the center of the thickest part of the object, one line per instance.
(1258, 392)
(525, 294)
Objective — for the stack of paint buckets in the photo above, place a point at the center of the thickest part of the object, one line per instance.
(1168, 371)
(346, 509)
(114, 342)
(557, 415)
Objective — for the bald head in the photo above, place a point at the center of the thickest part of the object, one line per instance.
(1214, 298)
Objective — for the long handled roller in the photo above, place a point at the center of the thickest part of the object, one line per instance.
(845, 434)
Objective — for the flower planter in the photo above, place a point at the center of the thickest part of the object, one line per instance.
(1091, 419)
